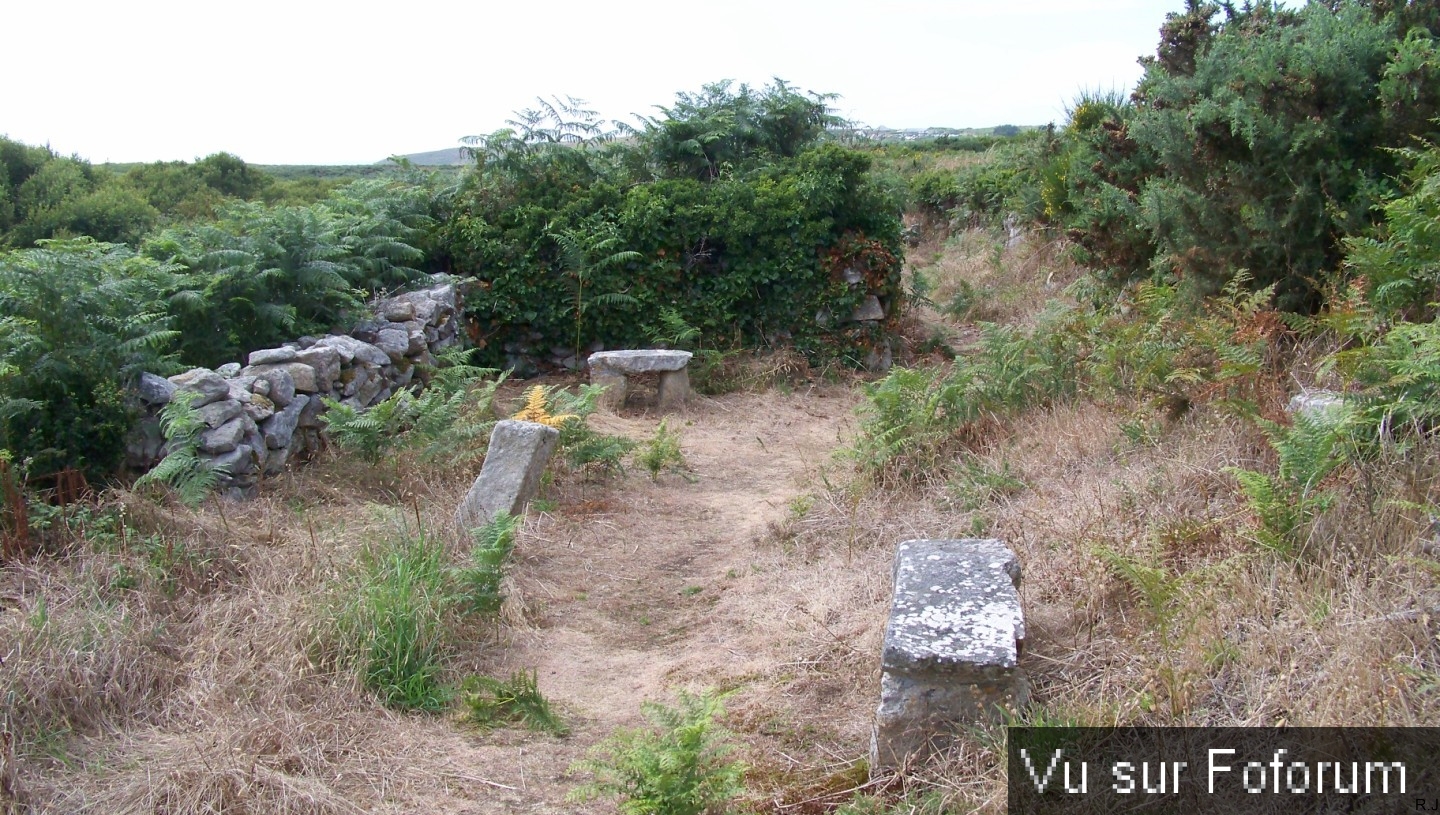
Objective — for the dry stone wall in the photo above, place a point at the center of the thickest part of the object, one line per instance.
(264, 414)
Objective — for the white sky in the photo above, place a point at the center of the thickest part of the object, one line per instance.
(321, 82)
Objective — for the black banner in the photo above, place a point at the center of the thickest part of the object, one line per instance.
(1231, 770)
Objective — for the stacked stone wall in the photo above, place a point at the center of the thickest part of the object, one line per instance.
(265, 414)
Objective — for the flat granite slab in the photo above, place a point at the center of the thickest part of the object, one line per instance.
(640, 362)
(952, 645)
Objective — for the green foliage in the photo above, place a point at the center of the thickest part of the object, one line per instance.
(261, 275)
(661, 452)
(914, 419)
(492, 702)
(681, 766)
(78, 324)
(1255, 144)
(450, 418)
(1284, 504)
(730, 203)
(1402, 266)
(192, 477)
(391, 624)
(581, 446)
(369, 432)
(480, 581)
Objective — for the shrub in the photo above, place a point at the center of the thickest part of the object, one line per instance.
(1254, 144)
(681, 767)
(79, 322)
(727, 211)
(479, 583)
(661, 452)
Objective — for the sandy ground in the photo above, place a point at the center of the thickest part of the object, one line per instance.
(629, 589)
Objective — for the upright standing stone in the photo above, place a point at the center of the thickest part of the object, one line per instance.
(511, 474)
(952, 645)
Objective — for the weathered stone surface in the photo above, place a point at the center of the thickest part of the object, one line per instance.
(326, 362)
(351, 349)
(272, 356)
(259, 408)
(217, 413)
(952, 646)
(609, 368)
(276, 460)
(279, 428)
(224, 438)
(511, 474)
(674, 388)
(155, 390)
(869, 309)
(616, 387)
(1319, 404)
(640, 362)
(237, 462)
(229, 369)
(397, 311)
(395, 342)
(302, 376)
(207, 385)
(281, 386)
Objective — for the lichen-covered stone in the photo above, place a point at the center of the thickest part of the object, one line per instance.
(511, 473)
(952, 645)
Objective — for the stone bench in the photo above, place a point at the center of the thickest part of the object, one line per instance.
(610, 368)
(952, 646)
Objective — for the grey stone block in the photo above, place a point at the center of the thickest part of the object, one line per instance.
(279, 428)
(207, 385)
(952, 646)
(224, 438)
(511, 474)
(215, 414)
(155, 390)
(272, 356)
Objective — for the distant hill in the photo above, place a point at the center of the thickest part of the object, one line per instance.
(448, 157)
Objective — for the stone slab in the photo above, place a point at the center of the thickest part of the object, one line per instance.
(640, 362)
(952, 645)
(511, 473)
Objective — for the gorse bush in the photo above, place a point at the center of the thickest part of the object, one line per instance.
(1253, 143)
(682, 766)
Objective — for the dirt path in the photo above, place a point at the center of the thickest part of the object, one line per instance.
(633, 589)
